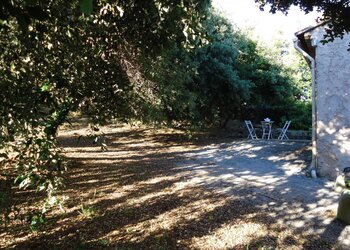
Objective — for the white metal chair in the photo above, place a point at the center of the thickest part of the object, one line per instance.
(251, 130)
(283, 134)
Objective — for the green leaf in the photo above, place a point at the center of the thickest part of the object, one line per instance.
(41, 219)
(45, 87)
(86, 6)
(19, 179)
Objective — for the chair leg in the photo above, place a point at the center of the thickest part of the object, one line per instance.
(283, 136)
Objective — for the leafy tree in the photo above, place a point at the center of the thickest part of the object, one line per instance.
(171, 76)
(336, 11)
(201, 86)
(282, 83)
(224, 78)
(300, 72)
(222, 90)
(27, 10)
(60, 60)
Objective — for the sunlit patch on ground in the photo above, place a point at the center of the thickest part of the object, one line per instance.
(230, 236)
(144, 192)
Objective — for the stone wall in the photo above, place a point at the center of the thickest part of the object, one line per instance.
(333, 105)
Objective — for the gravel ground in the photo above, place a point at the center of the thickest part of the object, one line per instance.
(270, 174)
(156, 189)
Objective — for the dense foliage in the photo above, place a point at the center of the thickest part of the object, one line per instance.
(230, 77)
(55, 60)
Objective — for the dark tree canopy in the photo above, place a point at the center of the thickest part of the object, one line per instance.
(336, 11)
(156, 17)
(59, 56)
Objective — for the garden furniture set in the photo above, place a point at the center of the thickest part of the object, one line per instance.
(266, 126)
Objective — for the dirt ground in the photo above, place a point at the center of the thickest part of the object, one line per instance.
(158, 189)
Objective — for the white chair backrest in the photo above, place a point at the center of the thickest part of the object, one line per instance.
(286, 125)
(249, 124)
(251, 130)
(283, 134)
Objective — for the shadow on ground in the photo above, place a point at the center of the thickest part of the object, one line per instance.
(158, 190)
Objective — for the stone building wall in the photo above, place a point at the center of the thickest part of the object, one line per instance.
(333, 105)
